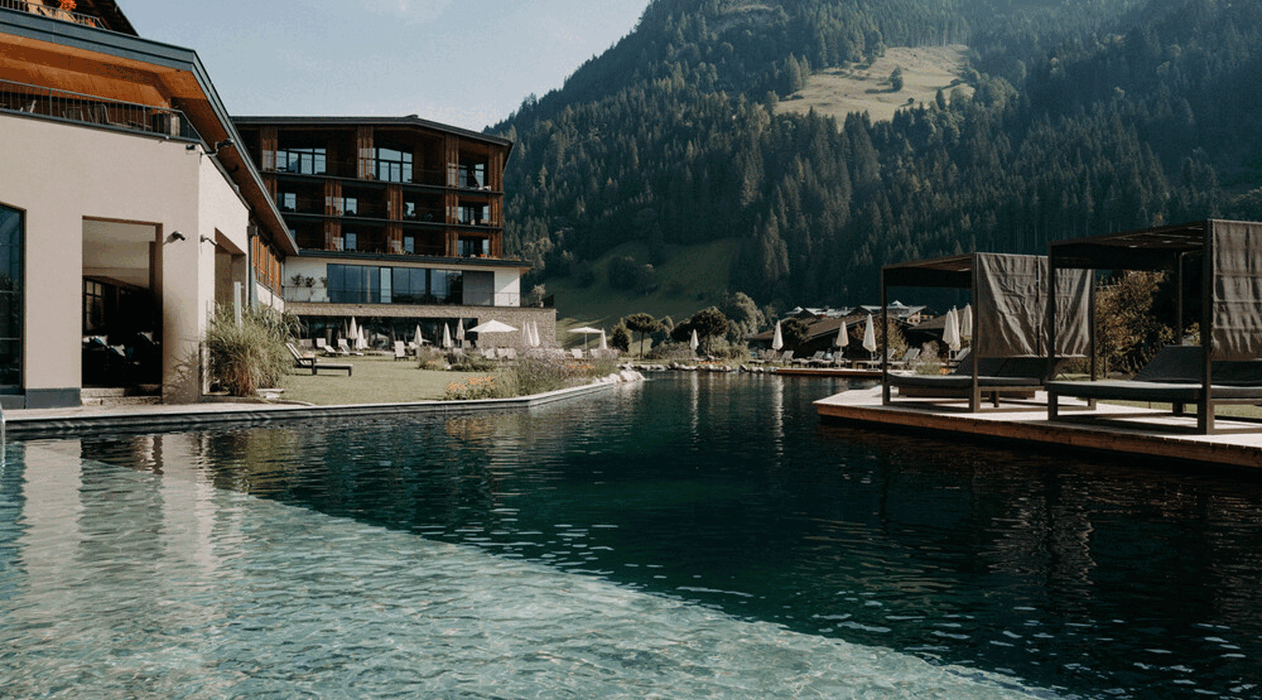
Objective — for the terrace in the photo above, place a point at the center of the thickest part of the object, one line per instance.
(62, 105)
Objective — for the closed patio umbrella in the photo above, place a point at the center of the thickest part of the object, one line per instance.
(460, 332)
(352, 334)
(951, 332)
(843, 336)
(603, 345)
(446, 336)
(361, 343)
(419, 339)
(692, 342)
(777, 340)
(966, 323)
(869, 336)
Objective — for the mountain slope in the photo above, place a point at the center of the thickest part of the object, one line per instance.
(1086, 116)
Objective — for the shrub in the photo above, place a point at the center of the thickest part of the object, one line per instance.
(251, 355)
(672, 351)
(537, 374)
(485, 387)
(719, 348)
(461, 362)
(928, 361)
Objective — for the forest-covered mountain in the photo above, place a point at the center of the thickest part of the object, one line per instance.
(1086, 116)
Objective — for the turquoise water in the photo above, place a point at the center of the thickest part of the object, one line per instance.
(695, 536)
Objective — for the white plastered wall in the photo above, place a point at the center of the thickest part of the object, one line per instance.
(60, 174)
(508, 287)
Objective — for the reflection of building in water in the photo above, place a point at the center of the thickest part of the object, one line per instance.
(126, 529)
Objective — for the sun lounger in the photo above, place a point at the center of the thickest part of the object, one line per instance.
(344, 348)
(1174, 376)
(1013, 377)
(400, 350)
(313, 363)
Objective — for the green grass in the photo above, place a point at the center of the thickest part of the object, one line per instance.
(691, 278)
(376, 379)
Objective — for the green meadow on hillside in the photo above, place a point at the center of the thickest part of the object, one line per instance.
(690, 279)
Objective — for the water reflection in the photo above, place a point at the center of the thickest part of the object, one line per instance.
(1109, 579)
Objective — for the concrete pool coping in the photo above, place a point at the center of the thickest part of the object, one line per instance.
(87, 420)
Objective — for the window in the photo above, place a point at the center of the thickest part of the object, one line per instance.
(350, 206)
(350, 241)
(12, 242)
(392, 164)
(472, 175)
(476, 214)
(93, 306)
(305, 161)
(409, 244)
(369, 284)
(288, 201)
(472, 247)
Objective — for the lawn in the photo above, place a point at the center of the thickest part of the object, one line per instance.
(376, 379)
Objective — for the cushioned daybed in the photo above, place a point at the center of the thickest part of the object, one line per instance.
(1174, 377)
(1009, 293)
(1226, 367)
(1012, 377)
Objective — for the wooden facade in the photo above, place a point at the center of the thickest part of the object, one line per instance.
(387, 186)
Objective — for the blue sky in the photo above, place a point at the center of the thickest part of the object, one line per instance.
(467, 63)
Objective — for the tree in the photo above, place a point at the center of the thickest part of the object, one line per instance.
(1130, 334)
(709, 323)
(744, 318)
(620, 338)
(896, 79)
(641, 323)
(793, 332)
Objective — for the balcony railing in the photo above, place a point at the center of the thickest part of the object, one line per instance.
(39, 8)
(86, 109)
(320, 295)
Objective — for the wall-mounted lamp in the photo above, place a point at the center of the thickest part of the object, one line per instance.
(219, 145)
(175, 236)
(207, 239)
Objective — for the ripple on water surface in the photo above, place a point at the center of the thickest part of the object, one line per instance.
(135, 585)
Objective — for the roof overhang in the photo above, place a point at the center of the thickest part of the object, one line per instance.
(410, 121)
(50, 52)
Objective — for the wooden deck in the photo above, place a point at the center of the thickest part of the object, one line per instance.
(1118, 430)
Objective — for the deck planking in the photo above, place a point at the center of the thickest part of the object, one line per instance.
(1124, 430)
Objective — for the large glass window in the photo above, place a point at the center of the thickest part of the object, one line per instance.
(12, 238)
(369, 284)
(393, 164)
(305, 161)
(472, 175)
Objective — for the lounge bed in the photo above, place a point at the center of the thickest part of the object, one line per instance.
(1225, 368)
(314, 364)
(1011, 377)
(1173, 377)
(1010, 295)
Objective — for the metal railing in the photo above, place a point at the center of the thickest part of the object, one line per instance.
(321, 295)
(86, 109)
(39, 8)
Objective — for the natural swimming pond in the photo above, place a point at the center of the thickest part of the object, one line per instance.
(692, 536)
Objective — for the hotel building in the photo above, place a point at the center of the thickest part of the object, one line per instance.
(399, 221)
(128, 208)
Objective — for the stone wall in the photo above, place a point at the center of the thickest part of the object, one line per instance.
(512, 315)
